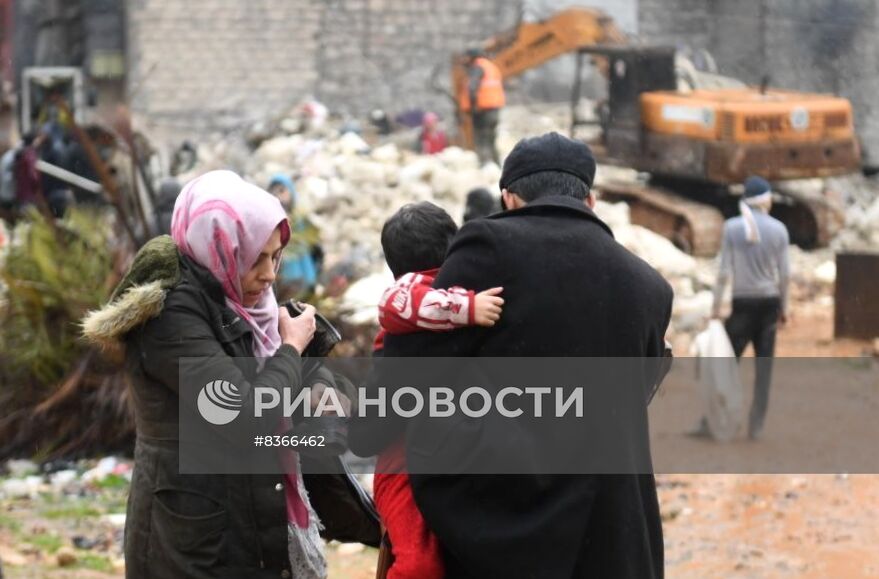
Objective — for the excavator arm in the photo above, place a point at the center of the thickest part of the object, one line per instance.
(532, 44)
(536, 43)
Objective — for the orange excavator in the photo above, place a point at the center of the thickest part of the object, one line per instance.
(696, 142)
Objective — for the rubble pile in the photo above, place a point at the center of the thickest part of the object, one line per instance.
(349, 188)
(27, 479)
(861, 230)
(690, 278)
(349, 185)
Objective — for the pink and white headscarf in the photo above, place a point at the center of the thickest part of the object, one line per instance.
(222, 223)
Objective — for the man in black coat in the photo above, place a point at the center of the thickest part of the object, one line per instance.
(570, 290)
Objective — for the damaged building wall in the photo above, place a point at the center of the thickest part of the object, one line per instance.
(826, 46)
(207, 64)
(383, 53)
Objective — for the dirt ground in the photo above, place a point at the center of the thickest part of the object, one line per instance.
(716, 525)
(784, 525)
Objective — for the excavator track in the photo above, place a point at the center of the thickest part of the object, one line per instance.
(693, 227)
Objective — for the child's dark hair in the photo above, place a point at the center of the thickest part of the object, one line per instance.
(417, 237)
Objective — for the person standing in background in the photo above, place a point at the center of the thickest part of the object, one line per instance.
(303, 257)
(24, 170)
(480, 203)
(169, 189)
(482, 98)
(754, 253)
(432, 139)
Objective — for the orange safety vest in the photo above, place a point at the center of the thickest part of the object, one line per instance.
(491, 91)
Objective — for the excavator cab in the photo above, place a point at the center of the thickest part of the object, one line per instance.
(631, 72)
(43, 89)
(717, 136)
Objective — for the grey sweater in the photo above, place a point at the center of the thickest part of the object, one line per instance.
(757, 269)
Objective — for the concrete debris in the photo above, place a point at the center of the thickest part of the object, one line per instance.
(691, 312)
(20, 468)
(861, 230)
(657, 251)
(21, 488)
(359, 305)
(826, 272)
(349, 184)
(62, 479)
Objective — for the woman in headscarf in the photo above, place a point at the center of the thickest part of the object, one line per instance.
(206, 292)
(302, 258)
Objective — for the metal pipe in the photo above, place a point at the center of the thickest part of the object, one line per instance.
(70, 178)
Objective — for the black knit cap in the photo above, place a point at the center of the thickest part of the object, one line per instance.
(549, 152)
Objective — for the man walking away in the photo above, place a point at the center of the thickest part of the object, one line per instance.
(483, 98)
(755, 254)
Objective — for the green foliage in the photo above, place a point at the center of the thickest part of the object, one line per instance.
(71, 511)
(112, 481)
(52, 276)
(94, 562)
(9, 523)
(45, 542)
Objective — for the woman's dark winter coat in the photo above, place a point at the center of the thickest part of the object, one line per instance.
(191, 525)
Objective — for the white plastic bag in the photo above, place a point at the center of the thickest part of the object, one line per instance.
(721, 383)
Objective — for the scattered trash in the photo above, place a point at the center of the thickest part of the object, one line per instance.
(21, 468)
(61, 479)
(104, 468)
(826, 272)
(721, 384)
(66, 557)
(116, 519)
(21, 488)
(84, 543)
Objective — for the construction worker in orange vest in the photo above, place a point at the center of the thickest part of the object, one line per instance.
(486, 89)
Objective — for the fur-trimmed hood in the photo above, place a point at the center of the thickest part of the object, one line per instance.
(139, 297)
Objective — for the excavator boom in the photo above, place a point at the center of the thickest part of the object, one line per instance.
(532, 44)
(535, 43)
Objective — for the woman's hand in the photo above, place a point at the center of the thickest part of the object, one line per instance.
(297, 331)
